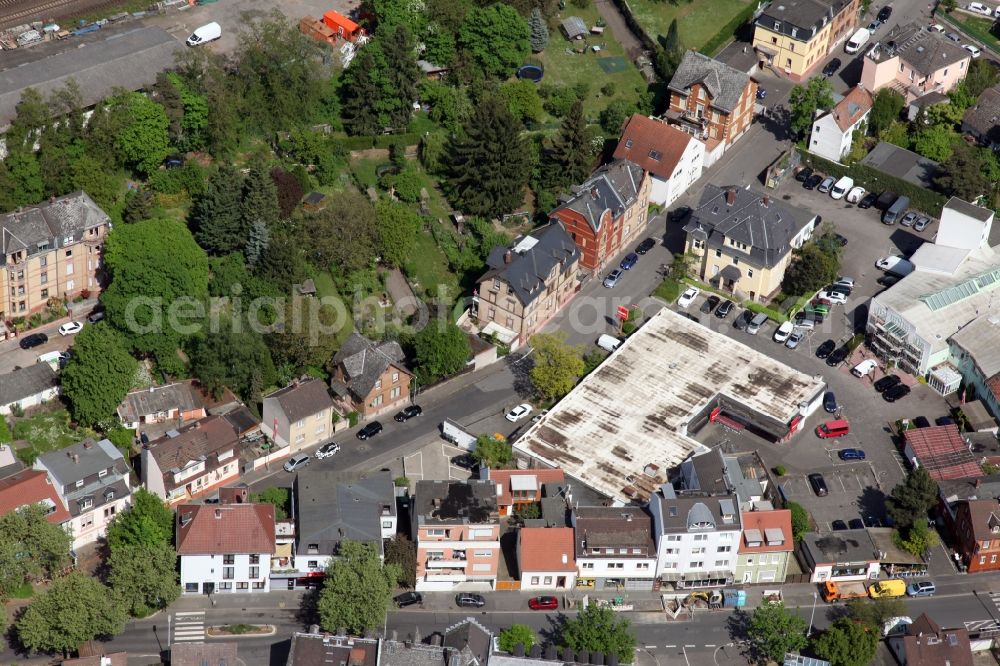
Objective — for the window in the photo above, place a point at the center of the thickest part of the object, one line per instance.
(749, 561)
(993, 558)
(774, 40)
(776, 558)
(69, 269)
(749, 272)
(300, 423)
(242, 586)
(718, 253)
(724, 549)
(698, 551)
(700, 537)
(395, 377)
(255, 559)
(258, 585)
(313, 564)
(394, 393)
(670, 565)
(228, 573)
(103, 473)
(225, 586)
(300, 437)
(547, 580)
(386, 524)
(588, 565)
(109, 511)
(86, 503)
(673, 537)
(726, 536)
(616, 565)
(437, 532)
(986, 544)
(69, 253)
(695, 565)
(255, 572)
(720, 563)
(79, 484)
(377, 401)
(482, 553)
(229, 559)
(982, 560)
(190, 587)
(43, 261)
(534, 580)
(70, 285)
(378, 384)
(736, 261)
(642, 565)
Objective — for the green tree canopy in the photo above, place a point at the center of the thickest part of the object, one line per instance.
(378, 89)
(886, 107)
(980, 76)
(492, 453)
(539, 31)
(911, 499)
(235, 357)
(917, 539)
(873, 613)
(402, 553)
(847, 643)
(966, 173)
(522, 99)
(806, 100)
(496, 39)
(800, 519)
(75, 609)
(441, 349)
(396, 226)
(356, 568)
(141, 138)
(597, 629)
(147, 522)
(342, 235)
(144, 577)
(669, 57)
(216, 216)
(30, 546)
(568, 160)
(935, 142)
(517, 634)
(98, 375)
(775, 630)
(812, 267)
(558, 366)
(614, 115)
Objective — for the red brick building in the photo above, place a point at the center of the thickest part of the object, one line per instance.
(977, 534)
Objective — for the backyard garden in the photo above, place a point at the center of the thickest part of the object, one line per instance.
(698, 23)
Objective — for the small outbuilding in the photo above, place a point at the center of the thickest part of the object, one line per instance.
(574, 28)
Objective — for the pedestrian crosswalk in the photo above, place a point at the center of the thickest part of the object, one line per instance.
(189, 626)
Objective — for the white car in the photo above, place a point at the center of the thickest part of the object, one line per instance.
(887, 263)
(856, 194)
(687, 298)
(835, 297)
(864, 368)
(70, 328)
(974, 50)
(327, 451)
(518, 413)
(845, 281)
(785, 330)
(938, 28)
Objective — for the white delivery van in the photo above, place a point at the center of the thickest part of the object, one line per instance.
(842, 187)
(608, 342)
(53, 358)
(857, 40)
(206, 33)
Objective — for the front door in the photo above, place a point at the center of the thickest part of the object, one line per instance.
(208, 588)
(747, 576)
(561, 582)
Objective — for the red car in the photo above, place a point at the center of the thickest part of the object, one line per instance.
(543, 603)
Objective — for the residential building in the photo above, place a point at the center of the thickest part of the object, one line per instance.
(526, 284)
(982, 120)
(742, 240)
(833, 132)
(92, 480)
(914, 61)
(606, 213)
(331, 508)
(663, 384)
(216, 653)
(9, 464)
(614, 548)
(520, 486)
(545, 558)
(942, 451)
(672, 158)
(469, 642)
(951, 492)
(32, 486)
(901, 163)
(925, 643)
(311, 649)
(180, 402)
(191, 461)
(52, 250)
(716, 473)
(225, 548)
(712, 101)
(846, 555)
(766, 547)
(299, 415)
(977, 533)
(976, 355)
(697, 538)
(457, 529)
(27, 387)
(369, 377)
(795, 36)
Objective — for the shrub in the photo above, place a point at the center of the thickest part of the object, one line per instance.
(780, 470)
(401, 482)
(352, 419)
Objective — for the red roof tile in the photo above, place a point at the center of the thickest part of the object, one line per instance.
(849, 110)
(546, 549)
(942, 452)
(652, 144)
(768, 520)
(502, 478)
(29, 487)
(217, 529)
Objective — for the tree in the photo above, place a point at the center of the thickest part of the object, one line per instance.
(568, 160)
(917, 540)
(517, 634)
(981, 75)
(873, 613)
(488, 166)
(27, 531)
(289, 191)
(935, 142)
(775, 630)
(522, 100)
(279, 498)
(539, 31)
(614, 115)
(848, 643)
(308, 334)
(234, 357)
(141, 139)
(147, 522)
(153, 265)
(342, 235)
(144, 577)
(669, 57)
(25, 176)
(558, 366)
(441, 349)
(379, 87)
(216, 216)
(356, 568)
(811, 268)
(910, 500)
(450, 105)
(597, 629)
(75, 609)
(493, 453)
(964, 173)
(886, 107)
(258, 208)
(402, 553)
(800, 519)
(805, 101)
(396, 226)
(99, 373)
(496, 39)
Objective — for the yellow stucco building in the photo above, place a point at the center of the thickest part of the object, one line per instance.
(795, 36)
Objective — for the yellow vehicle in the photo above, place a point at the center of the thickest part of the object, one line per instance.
(887, 589)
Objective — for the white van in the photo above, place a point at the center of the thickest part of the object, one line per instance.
(206, 33)
(857, 40)
(842, 187)
(980, 8)
(608, 342)
(53, 358)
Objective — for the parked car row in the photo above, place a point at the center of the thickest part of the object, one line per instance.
(628, 263)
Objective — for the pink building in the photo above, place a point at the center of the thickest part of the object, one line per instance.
(457, 529)
(914, 61)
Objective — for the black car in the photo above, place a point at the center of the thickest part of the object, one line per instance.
(831, 67)
(887, 383)
(825, 349)
(840, 288)
(33, 340)
(470, 600)
(408, 599)
(838, 525)
(897, 392)
(921, 422)
(838, 356)
(944, 420)
(856, 524)
(645, 246)
(868, 200)
(710, 303)
(888, 280)
(884, 14)
(466, 461)
(813, 182)
(829, 402)
(408, 413)
(803, 174)
(724, 309)
(370, 430)
(743, 320)
(818, 484)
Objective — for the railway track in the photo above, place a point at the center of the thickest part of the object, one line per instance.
(18, 12)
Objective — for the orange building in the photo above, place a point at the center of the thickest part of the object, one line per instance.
(343, 26)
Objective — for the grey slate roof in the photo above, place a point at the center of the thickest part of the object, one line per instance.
(26, 382)
(408, 653)
(202, 654)
(181, 396)
(805, 16)
(613, 187)
(530, 264)
(331, 508)
(766, 230)
(983, 118)
(901, 163)
(313, 649)
(90, 460)
(50, 224)
(724, 83)
(926, 51)
(364, 361)
(302, 399)
(455, 502)
(473, 641)
(612, 527)
(698, 513)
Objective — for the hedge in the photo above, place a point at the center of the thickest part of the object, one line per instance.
(878, 181)
(728, 31)
(381, 141)
(647, 40)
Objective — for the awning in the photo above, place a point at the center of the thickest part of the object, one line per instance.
(282, 550)
(504, 335)
(730, 272)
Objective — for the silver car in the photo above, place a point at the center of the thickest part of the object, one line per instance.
(296, 462)
(794, 339)
(613, 278)
(827, 184)
(922, 223)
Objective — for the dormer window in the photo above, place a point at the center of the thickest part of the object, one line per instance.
(655, 154)
(86, 503)
(777, 25)
(628, 143)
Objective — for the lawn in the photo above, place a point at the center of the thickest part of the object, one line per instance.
(980, 28)
(45, 432)
(697, 22)
(325, 288)
(564, 67)
(427, 267)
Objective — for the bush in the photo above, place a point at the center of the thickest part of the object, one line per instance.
(608, 89)
(352, 419)
(401, 482)
(800, 519)
(780, 470)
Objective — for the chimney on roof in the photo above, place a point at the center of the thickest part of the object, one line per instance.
(88, 444)
(76, 458)
(565, 558)
(979, 482)
(730, 196)
(508, 256)
(218, 514)
(593, 193)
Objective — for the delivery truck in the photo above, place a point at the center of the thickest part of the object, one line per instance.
(837, 591)
(887, 589)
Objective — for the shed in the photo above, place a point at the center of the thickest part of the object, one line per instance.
(314, 201)
(574, 28)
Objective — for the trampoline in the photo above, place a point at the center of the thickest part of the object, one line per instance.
(530, 72)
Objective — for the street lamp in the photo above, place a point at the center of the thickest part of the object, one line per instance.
(812, 615)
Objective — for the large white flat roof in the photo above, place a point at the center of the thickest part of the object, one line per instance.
(633, 410)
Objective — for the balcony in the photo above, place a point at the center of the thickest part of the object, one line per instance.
(445, 578)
